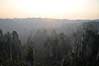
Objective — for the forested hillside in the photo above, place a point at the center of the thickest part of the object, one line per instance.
(51, 47)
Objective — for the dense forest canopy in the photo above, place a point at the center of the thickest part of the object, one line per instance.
(75, 45)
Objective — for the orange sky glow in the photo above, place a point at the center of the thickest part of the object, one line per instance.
(60, 9)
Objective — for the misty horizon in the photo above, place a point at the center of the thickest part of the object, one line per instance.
(49, 33)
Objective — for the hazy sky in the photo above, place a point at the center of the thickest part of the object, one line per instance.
(69, 9)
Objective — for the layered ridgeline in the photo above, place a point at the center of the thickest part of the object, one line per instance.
(49, 42)
(26, 27)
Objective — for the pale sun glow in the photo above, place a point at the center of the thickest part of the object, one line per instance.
(70, 9)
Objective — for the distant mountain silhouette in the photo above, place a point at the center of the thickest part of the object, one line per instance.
(28, 26)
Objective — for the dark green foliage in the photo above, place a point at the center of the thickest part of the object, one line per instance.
(86, 46)
(10, 49)
(29, 56)
(81, 48)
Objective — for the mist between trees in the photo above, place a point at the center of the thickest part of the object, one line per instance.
(81, 48)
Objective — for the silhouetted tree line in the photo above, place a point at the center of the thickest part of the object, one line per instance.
(11, 50)
(81, 48)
